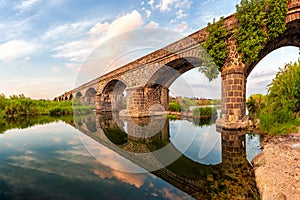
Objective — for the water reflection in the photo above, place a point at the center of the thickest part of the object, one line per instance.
(170, 155)
(49, 162)
(26, 122)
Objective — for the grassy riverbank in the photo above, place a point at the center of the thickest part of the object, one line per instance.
(18, 105)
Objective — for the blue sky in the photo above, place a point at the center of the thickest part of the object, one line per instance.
(44, 43)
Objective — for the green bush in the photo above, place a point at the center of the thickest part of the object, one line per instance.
(205, 112)
(172, 117)
(174, 106)
(278, 122)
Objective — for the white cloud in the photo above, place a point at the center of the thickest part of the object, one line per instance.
(206, 2)
(173, 21)
(152, 24)
(102, 31)
(68, 30)
(148, 12)
(164, 5)
(99, 28)
(24, 5)
(180, 14)
(75, 51)
(183, 26)
(125, 23)
(151, 2)
(15, 49)
(183, 4)
(75, 41)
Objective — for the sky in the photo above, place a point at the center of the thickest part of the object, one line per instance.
(44, 44)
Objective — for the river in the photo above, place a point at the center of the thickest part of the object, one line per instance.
(107, 157)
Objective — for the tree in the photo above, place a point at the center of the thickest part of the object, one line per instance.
(255, 103)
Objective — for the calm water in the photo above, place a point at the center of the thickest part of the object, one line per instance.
(106, 157)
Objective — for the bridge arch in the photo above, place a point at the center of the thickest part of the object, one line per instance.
(291, 37)
(112, 96)
(235, 73)
(78, 95)
(168, 73)
(157, 89)
(89, 97)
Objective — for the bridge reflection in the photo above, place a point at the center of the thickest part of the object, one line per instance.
(146, 142)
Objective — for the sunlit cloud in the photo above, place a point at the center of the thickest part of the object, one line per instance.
(169, 194)
(183, 26)
(16, 49)
(152, 24)
(136, 180)
(151, 2)
(166, 5)
(180, 14)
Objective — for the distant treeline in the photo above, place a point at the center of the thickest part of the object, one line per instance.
(19, 105)
(180, 104)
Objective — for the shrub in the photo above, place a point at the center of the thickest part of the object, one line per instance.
(205, 112)
(174, 106)
(278, 122)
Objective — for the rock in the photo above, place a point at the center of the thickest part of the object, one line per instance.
(277, 169)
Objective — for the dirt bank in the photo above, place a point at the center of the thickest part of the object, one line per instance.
(277, 168)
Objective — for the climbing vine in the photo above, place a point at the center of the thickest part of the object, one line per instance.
(215, 46)
(259, 21)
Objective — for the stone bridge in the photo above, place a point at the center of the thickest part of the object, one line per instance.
(156, 154)
(140, 88)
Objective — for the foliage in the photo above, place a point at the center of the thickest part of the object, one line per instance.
(259, 21)
(281, 92)
(279, 122)
(174, 106)
(80, 108)
(19, 105)
(278, 116)
(185, 104)
(204, 121)
(296, 91)
(276, 15)
(205, 112)
(172, 117)
(215, 45)
(181, 105)
(254, 104)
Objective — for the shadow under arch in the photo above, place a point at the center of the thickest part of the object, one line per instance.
(89, 97)
(112, 97)
(168, 73)
(78, 95)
